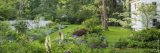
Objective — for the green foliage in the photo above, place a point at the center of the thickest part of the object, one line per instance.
(36, 47)
(77, 45)
(74, 45)
(147, 8)
(146, 38)
(4, 28)
(96, 41)
(75, 11)
(12, 47)
(126, 23)
(148, 13)
(123, 15)
(37, 34)
(151, 51)
(97, 29)
(21, 26)
(7, 9)
(66, 12)
(2, 18)
(15, 47)
(113, 6)
(127, 5)
(113, 22)
(129, 50)
(122, 43)
(92, 24)
(147, 35)
(141, 39)
(65, 23)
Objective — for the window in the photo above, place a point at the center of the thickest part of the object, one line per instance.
(154, 22)
(154, 3)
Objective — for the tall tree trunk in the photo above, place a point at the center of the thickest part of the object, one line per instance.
(104, 16)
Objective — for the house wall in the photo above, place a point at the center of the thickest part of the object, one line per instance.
(137, 23)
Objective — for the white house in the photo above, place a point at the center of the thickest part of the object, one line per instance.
(137, 19)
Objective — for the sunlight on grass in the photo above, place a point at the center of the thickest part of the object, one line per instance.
(115, 33)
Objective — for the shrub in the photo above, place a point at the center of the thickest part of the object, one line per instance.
(11, 47)
(65, 23)
(147, 38)
(12, 35)
(17, 47)
(96, 29)
(133, 44)
(96, 41)
(146, 35)
(2, 18)
(150, 51)
(91, 23)
(36, 47)
(4, 28)
(38, 34)
(57, 21)
(138, 44)
(152, 44)
(80, 32)
(121, 43)
(21, 26)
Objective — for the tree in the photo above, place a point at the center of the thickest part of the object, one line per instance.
(21, 26)
(7, 9)
(75, 11)
(33, 8)
(21, 9)
(107, 9)
(104, 16)
(147, 11)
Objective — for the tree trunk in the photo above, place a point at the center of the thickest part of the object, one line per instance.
(104, 16)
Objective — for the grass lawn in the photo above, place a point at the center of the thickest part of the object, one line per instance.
(115, 33)
(69, 29)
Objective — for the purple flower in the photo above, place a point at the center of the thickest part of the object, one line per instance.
(75, 36)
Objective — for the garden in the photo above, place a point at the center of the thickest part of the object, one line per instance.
(75, 26)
